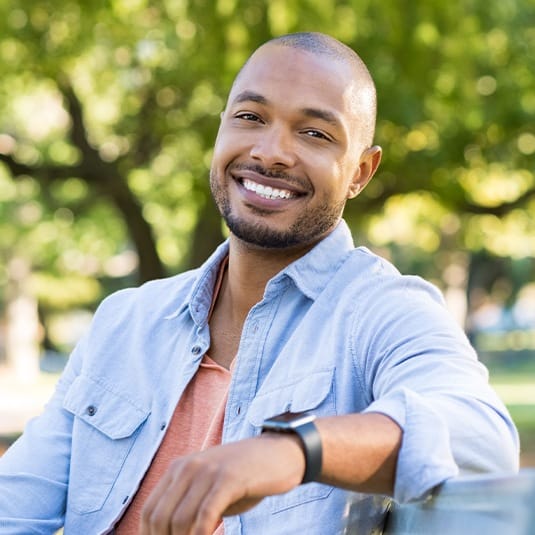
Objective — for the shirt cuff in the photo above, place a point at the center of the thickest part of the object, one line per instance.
(425, 459)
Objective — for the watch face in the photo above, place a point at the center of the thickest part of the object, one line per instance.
(288, 420)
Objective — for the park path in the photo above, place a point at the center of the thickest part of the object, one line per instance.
(21, 400)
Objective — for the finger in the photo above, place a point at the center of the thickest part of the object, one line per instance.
(159, 507)
(221, 496)
(147, 511)
(187, 510)
(210, 512)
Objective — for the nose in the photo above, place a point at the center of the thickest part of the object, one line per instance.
(273, 147)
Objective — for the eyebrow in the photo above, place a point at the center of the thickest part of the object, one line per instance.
(250, 96)
(324, 115)
(315, 113)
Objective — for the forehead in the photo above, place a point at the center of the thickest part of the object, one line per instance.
(294, 77)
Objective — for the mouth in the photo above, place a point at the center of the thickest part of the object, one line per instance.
(268, 188)
(267, 192)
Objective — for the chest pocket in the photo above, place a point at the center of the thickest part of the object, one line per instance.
(105, 427)
(314, 392)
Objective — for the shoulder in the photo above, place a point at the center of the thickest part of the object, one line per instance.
(373, 278)
(388, 306)
(155, 299)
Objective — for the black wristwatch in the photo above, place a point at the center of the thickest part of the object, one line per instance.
(302, 425)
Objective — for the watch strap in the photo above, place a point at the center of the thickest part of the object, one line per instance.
(310, 439)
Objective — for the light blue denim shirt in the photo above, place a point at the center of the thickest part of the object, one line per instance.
(337, 331)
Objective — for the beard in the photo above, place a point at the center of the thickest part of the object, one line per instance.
(311, 224)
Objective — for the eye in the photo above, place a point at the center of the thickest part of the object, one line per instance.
(248, 116)
(317, 134)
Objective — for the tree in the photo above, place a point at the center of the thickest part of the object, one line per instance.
(109, 110)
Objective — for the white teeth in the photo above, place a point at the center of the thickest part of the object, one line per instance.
(267, 192)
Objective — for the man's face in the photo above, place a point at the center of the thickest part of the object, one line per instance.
(286, 157)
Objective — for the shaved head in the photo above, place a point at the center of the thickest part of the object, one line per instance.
(294, 143)
(325, 45)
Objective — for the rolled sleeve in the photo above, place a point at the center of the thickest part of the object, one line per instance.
(425, 376)
(425, 458)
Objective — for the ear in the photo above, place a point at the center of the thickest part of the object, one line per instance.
(369, 162)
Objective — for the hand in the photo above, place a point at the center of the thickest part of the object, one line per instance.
(197, 490)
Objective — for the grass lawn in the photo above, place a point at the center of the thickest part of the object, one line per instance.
(517, 390)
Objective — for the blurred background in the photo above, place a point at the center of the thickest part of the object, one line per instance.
(108, 113)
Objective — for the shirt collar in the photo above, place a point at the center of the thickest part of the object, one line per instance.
(199, 298)
(310, 273)
(313, 271)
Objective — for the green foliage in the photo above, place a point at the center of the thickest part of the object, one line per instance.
(109, 110)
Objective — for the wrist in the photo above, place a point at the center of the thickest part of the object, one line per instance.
(302, 429)
(289, 448)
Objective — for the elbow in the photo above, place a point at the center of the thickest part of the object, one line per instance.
(495, 451)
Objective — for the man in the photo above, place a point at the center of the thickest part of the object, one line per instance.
(285, 317)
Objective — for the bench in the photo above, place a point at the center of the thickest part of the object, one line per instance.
(476, 505)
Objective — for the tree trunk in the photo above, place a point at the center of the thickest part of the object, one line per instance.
(455, 277)
(206, 236)
(150, 266)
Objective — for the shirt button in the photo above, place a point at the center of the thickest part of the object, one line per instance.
(91, 410)
(162, 426)
(196, 350)
(238, 410)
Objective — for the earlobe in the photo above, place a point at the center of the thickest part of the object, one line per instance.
(354, 190)
(369, 162)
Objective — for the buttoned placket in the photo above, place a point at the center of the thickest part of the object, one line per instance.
(245, 378)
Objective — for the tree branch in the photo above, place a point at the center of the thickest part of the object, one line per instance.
(147, 144)
(460, 206)
(105, 178)
(42, 173)
(78, 132)
(502, 209)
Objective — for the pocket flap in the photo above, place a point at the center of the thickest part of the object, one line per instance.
(110, 413)
(305, 393)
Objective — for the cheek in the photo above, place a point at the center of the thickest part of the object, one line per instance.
(334, 180)
(348, 175)
(227, 147)
(219, 153)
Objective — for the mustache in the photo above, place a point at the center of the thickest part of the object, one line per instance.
(271, 173)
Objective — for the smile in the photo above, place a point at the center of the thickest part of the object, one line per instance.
(267, 192)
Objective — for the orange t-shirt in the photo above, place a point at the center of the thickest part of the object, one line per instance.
(197, 424)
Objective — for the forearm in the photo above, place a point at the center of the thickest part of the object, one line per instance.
(360, 452)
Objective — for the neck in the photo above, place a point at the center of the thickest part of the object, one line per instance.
(249, 270)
